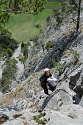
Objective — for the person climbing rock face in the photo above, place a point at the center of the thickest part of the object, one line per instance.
(47, 80)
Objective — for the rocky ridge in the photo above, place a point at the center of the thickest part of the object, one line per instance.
(63, 105)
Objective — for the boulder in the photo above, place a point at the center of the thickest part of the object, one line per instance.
(57, 98)
(79, 84)
(76, 81)
(68, 114)
(74, 77)
(30, 93)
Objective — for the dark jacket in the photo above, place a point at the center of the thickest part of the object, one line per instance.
(43, 79)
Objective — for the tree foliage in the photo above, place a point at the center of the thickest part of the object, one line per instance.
(17, 6)
(24, 49)
(69, 8)
(50, 44)
(8, 74)
(58, 66)
(7, 44)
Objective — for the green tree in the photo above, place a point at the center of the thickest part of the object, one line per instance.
(19, 6)
(71, 8)
(7, 44)
(24, 49)
(8, 74)
(9, 52)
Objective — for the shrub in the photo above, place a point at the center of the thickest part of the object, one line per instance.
(22, 45)
(22, 59)
(75, 55)
(10, 69)
(6, 42)
(5, 88)
(38, 26)
(2, 54)
(48, 19)
(39, 120)
(9, 52)
(35, 38)
(50, 44)
(24, 49)
(19, 89)
(59, 66)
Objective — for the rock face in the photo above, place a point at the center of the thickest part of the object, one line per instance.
(70, 115)
(76, 81)
(63, 106)
(61, 96)
(1, 69)
(56, 51)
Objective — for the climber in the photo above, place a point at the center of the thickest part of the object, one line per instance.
(47, 80)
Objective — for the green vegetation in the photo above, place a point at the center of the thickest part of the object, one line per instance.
(24, 49)
(59, 66)
(39, 119)
(18, 89)
(10, 68)
(23, 26)
(4, 17)
(19, 6)
(50, 44)
(48, 19)
(7, 44)
(55, 4)
(26, 26)
(75, 55)
(71, 8)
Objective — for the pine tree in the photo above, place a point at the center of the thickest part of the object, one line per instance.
(70, 8)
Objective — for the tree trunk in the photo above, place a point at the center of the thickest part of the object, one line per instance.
(78, 17)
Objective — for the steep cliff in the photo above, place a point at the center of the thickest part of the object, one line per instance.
(27, 104)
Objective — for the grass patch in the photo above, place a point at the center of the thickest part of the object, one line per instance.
(2, 7)
(54, 4)
(23, 26)
(39, 119)
(19, 89)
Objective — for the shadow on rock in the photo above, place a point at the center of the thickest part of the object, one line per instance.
(56, 99)
(9, 108)
(77, 98)
(48, 99)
